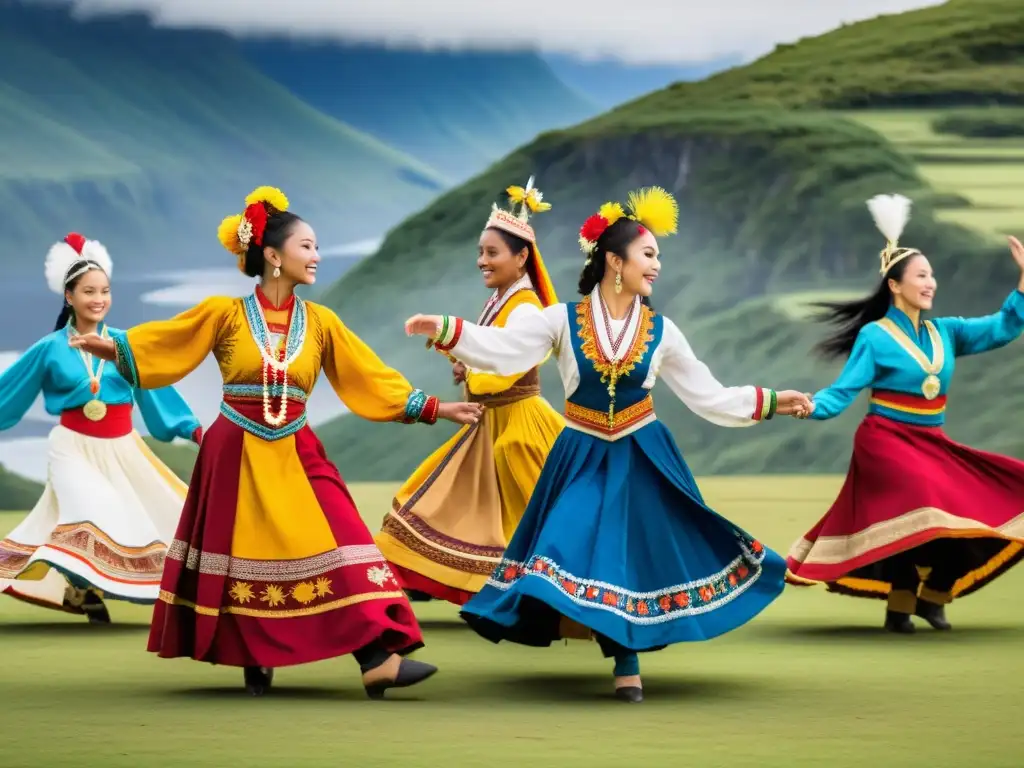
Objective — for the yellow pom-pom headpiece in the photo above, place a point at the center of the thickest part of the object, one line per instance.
(651, 207)
(237, 232)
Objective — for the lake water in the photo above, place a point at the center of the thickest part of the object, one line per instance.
(139, 296)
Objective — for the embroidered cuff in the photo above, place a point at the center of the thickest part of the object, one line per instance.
(419, 407)
(451, 332)
(765, 404)
(124, 360)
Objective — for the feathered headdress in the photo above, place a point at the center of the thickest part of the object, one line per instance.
(529, 200)
(74, 256)
(891, 214)
(651, 207)
(237, 232)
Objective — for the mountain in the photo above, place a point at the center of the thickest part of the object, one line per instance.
(150, 136)
(771, 163)
(610, 82)
(457, 112)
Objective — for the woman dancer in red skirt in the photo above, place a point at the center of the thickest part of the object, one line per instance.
(921, 519)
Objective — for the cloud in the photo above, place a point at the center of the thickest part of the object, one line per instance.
(645, 32)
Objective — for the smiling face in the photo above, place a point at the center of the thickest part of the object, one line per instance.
(297, 256)
(497, 262)
(89, 297)
(641, 265)
(915, 289)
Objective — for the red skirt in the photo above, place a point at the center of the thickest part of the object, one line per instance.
(272, 564)
(908, 486)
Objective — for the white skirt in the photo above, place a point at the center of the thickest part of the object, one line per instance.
(106, 516)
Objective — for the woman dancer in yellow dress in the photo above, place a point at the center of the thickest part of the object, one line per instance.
(272, 565)
(450, 523)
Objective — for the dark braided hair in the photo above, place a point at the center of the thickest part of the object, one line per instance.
(615, 239)
(280, 225)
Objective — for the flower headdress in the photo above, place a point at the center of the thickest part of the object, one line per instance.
(72, 257)
(529, 200)
(891, 214)
(236, 233)
(651, 207)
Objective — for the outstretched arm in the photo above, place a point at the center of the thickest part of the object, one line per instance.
(972, 336)
(858, 373)
(167, 415)
(525, 341)
(374, 391)
(694, 384)
(21, 383)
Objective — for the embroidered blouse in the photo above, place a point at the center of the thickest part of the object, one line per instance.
(56, 369)
(908, 369)
(531, 334)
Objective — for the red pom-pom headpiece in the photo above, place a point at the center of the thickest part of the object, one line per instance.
(256, 215)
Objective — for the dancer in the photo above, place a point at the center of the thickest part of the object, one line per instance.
(920, 519)
(110, 506)
(272, 565)
(617, 537)
(451, 521)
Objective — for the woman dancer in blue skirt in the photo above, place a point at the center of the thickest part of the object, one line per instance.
(617, 537)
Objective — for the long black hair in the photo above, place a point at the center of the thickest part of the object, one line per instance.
(67, 313)
(279, 227)
(616, 239)
(850, 316)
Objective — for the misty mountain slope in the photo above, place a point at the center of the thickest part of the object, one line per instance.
(456, 111)
(148, 137)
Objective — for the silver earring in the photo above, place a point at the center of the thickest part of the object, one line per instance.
(277, 271)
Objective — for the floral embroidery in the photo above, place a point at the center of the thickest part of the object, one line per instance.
(241, 592)
(323, 587)
(664, 604)
(304, 592)
(593, 352)
(378, 575)
(273, 595)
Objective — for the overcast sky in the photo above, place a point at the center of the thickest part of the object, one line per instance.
(639, 31)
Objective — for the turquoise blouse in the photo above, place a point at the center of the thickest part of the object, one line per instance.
(884, 361)
(53, 367)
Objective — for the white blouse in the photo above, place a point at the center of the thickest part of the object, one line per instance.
(531, 334)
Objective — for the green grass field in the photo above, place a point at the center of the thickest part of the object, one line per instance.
(811, 682)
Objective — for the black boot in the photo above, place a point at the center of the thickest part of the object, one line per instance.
(410, 672)
(633, 694)
(934, 614)
(95, 609)
(899, 623)
(415, 596)
(258, 680)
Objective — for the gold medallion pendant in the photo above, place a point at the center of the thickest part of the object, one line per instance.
(95, 410)
(931, 387)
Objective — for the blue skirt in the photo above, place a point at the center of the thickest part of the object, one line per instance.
(617, 537)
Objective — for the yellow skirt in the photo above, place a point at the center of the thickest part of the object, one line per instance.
(450, 522)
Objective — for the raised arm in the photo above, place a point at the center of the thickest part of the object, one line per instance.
(367, 386)
(694, 384)
(858, 373)
(167, 415)
(971, 336)
(525, 341)
(21, 383)
(163, 352)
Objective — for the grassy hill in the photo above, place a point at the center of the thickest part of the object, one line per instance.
(772, 163)
(457, 111)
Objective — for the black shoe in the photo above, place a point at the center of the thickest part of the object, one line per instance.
(899, 623)
(934, 614)
(415, 596)
(631, 693)
(258, 680)
(95, 609)
(410, 672)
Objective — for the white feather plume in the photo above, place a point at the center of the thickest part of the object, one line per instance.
(61, 256)
(891, 214)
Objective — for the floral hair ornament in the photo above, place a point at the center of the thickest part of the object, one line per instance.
(72, 257)
(236, 233)
(891, 214)
(651, 207)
